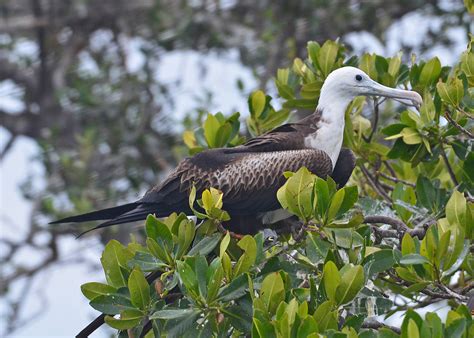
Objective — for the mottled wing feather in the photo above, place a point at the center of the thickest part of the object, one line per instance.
(249, 180)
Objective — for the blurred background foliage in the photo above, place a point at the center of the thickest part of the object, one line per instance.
(106, 128)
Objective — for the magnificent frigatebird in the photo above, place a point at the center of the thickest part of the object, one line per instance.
(250, 175)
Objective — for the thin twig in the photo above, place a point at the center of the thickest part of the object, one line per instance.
(401, 227)
(452, 293)
(373, 324)
(457, 125)
(376, 120)
(396, 223)
(395, 179)
(374, 185)
(96, 323)
(448, 166)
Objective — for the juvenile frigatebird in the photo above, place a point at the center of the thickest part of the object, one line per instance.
(250, 175)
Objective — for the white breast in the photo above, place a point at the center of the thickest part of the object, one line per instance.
(327, 138)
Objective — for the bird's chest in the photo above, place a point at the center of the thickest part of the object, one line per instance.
(327, 138)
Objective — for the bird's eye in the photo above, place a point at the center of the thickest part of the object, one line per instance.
(359, 77)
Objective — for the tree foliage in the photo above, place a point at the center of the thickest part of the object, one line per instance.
(395, 239)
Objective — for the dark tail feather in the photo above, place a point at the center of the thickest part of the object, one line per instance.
(99, 215)
(140, 212)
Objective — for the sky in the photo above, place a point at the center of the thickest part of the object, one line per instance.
(56, 292)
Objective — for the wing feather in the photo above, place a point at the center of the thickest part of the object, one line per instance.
(249, 180)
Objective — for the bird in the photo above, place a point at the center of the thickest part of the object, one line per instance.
(249, 175)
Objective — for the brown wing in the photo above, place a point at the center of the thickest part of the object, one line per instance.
(249, 180)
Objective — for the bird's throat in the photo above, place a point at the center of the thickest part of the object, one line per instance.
(329, 133)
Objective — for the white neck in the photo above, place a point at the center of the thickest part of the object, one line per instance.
(330, 133)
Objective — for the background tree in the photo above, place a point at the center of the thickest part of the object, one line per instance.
(91, 113)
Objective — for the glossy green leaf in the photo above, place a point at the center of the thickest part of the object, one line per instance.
(411, 259)
(327, 56)
(172, 313)
(139, 289)
(430, 72)
(352, 281)
(93, 290)
(246, 261)
(456, 209)
(114, 261)
(272, 291)
(236, 289)
(128, 319)
(331, 279)
(205, 245)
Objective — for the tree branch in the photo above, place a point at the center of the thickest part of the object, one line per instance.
(457, 125)
(401, 227)
(96, 323)
(373, 324)
(448, 166)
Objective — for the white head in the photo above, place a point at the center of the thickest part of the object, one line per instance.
(339, 89)
(346, 83)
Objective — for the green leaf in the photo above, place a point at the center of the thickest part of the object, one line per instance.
(93, 290)
(200, 268)
(412, 259)
(236, 289)
(415, 288)
(185, 237)
(367, 64)
(430, 72)
(247, 260)
(205, 245)
(316, 248)
(178, 326)
(257, 103)
(394, 65)
(139, 289)
(296, 194)
(408, 244)
(172, 314)
(428, 195)
(211, 126)
(215, 275)
(111, 304)
(379, 261)
(188, 278)
(114, 261)
(321, 189)
(352, 281)
(327, 57)
(313, 50)
(331, 279)
(262, 329)
(456, 209)
(456, 328)
(412, 330)
(335, 204)
(406, 194)
(351, 196)
(307, 327)
(410, 136)
(224, 244)
(157, 251)
(325, 316)
(128, 319)
(451, 92)
(272, 291)
(191, 200)
(434, 322)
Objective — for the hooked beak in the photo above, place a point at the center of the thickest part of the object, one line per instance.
(407, 97)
